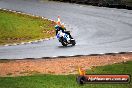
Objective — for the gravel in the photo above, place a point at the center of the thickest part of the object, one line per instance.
(58, 66)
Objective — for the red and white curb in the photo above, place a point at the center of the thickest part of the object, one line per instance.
(30, 42)
(40, 40)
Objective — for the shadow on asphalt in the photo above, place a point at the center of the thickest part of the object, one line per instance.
(66, 46)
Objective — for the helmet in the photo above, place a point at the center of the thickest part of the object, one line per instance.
(56, 26)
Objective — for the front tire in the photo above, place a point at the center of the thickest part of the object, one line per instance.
(64, 43)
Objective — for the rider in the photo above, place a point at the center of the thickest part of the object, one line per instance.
(60, 27)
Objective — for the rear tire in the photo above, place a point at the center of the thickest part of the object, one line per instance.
(73, 42)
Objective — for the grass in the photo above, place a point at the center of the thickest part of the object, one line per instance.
(124, 67)
(16, 27)
(5, 60)
(67, 81)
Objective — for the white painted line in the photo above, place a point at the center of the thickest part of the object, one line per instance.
(10, 10)
(23, 13)
(116, 52)
(101, 53)
(81, 6)
(29, 42)
(37, 16)
(36, 41)
(54, 56)
(28, 14)
(72, 55)
(4, 9)
(46, 39)
(14, 44)
(23, 43)
(51, 38)
(18, 12)
(45, 18)
(14, 11)
(6, 45)
(41, 39)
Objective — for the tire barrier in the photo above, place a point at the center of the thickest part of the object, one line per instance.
(107, 3)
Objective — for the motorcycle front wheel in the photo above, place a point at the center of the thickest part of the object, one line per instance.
(64, 43)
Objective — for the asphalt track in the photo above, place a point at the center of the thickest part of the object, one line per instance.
(96, 29)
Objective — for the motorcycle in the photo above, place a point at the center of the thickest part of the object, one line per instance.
(65, 39)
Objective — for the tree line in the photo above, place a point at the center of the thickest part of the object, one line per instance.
(107, 3)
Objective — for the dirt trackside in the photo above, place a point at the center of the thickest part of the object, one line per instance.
(58, 65)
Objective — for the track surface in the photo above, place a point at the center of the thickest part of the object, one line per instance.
(96, 29)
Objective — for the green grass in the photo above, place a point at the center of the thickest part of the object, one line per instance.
(5, 61)
(124, 67)
(17, 27)
(69, 81)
